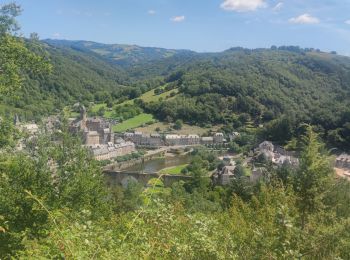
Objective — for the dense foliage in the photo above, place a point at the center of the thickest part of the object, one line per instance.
(68, 212)
(279, 87)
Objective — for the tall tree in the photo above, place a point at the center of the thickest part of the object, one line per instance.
(16, 59)
(313, 177)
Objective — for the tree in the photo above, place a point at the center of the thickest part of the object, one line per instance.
(200, 179)
(178, 124)
(313, 176)
(34, 37)
(8, 14)
(9, 135)
(15, 58)
(19, 174)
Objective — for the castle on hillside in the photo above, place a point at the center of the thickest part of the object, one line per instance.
(96, 131)
(98, 136)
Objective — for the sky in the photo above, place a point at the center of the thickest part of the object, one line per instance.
(199, 25)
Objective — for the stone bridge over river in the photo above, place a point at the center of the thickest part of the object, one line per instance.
(124, 177)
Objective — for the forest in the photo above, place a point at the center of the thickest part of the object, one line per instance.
(54, 201)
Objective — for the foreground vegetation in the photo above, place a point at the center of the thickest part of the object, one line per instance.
(71, 213)
(55, 204)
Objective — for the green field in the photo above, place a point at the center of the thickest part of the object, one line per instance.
(108, 113)
(134, 122)
(176, 170)
(151, 96)
(147, 97)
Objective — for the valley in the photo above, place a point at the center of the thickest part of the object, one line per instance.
(119, 151)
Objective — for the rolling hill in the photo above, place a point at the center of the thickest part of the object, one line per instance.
(120, 54)
(233, 87)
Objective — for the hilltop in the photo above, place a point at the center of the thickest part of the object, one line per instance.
(120, 54)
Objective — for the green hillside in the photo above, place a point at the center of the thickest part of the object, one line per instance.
(286, 85)
(263, 86)
(121, 54)
(76, 77)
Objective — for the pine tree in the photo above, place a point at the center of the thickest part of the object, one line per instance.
(313, 176)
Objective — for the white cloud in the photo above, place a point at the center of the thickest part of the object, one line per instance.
(56, 35)
(347, 22)
(278, 7)
(178, 19)
(304, 19)
(151, 12)
(242, 5)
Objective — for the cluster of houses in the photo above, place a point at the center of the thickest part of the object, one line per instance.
(343, 161)
(157, 140)
(111, 150)
(225, 175)
(274, 154)
(98, 136)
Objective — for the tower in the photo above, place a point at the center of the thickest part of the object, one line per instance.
(16, 121)
(83, 117)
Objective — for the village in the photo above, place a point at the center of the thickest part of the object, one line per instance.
(106, 146)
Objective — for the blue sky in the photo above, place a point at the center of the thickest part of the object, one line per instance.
(200, 25)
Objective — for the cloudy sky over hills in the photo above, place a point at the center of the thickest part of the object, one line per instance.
(201, 25)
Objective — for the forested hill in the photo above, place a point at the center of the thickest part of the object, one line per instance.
(120, 54)
(76, 77)
(232, 88)
(264, 84)
(241, 85)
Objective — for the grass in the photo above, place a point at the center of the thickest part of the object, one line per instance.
(150, 96)
(185, 130)
(95, 108)
(73, 114)
(134, 122)
(147, 97)
(109, 113)
(176, 170)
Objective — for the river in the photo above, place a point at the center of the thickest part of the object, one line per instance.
(158, 164)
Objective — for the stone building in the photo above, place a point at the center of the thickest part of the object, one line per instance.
(219, 138)
(276, 154)
(141, 139)
(266, 146)
(91, 138)
(233, 136)
(225, 175)
(173, 140)
(95, 130)
(110, 151)
(156, 140)
(207, 140)
(193, 139)
(343, 161)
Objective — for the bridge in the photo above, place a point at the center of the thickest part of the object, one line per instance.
(150, 155)
(123, 177)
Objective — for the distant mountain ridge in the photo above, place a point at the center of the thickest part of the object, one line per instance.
(121, 54)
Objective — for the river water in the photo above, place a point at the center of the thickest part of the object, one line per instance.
(159, 164)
